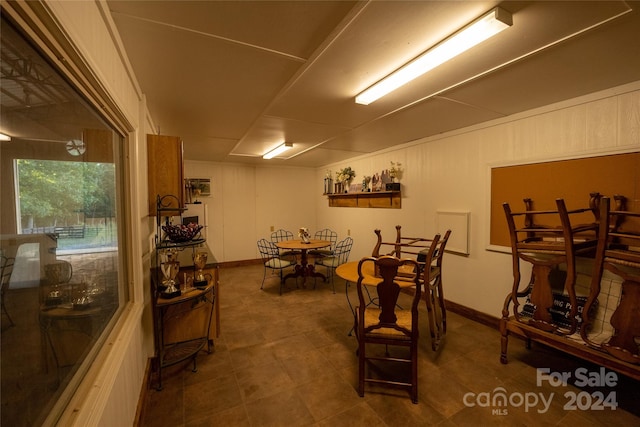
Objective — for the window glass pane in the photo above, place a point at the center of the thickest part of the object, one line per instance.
(61, 235)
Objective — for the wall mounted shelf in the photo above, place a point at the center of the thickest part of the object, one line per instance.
(374, 199)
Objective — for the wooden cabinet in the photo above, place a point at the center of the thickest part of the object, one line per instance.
(165, 170)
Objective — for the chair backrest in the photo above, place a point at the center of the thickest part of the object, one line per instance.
(281, 235)
(267, 250)
(617, 251)
(6, 268)
(532, 230)
(388, 291)
(327, 234)
(618, 243)
(402, 246)
(343, 249)
(537, 238)
(439, 252)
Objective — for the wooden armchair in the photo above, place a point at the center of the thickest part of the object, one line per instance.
(430, 274)
(618, 252)
(545, 239)
(434, 295)
(402, 247)
(387, 324)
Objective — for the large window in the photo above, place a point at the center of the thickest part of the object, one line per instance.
(73, 200)
(61, 234)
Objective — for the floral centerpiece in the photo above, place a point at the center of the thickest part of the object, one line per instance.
(345, 176)
(395, 171)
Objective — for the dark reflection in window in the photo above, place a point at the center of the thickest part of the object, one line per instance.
(60, 234)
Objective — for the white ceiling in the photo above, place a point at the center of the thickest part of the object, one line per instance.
(236, 78)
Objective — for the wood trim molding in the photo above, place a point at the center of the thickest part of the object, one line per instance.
(375, 199)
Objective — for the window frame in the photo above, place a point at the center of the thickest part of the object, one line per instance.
(38, 24)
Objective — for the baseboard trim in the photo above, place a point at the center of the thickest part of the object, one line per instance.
(241, 263)
(246, 262)
(143, 399)
(471, 314)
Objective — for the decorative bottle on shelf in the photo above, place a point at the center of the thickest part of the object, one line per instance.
(328, 184)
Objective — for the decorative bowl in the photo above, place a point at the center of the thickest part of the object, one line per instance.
(182, 233)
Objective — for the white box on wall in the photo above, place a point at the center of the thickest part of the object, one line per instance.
(458, 223)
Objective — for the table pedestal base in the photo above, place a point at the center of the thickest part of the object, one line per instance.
(304, 271)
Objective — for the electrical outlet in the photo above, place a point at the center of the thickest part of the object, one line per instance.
(273, 228)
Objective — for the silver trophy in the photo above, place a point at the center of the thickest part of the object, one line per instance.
(170, 268)
(200, 260)
(170, 271)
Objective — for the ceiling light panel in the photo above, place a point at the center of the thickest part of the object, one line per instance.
(473, 34)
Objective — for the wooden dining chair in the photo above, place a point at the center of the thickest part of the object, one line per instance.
(387, 324)
(546, 240)
(618, 252)
(272, 260)
(434, 295)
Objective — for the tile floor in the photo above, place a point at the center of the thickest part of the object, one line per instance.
(288, 361)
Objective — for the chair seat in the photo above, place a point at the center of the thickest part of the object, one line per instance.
(278, 263)
(330, 261)
(324, 252)
(372, 317)
(289, 253)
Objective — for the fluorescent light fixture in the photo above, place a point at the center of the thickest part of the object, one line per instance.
(278, 150)
(478, 31)
(4, 137)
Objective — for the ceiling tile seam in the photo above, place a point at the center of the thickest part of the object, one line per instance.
(496, 68)
(346, 22)
(272, 116)
(467, 104)
(475, 77)
(217, 37)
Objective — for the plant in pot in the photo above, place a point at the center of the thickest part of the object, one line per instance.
(345, 176)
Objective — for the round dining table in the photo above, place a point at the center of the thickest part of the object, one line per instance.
(303, 269)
